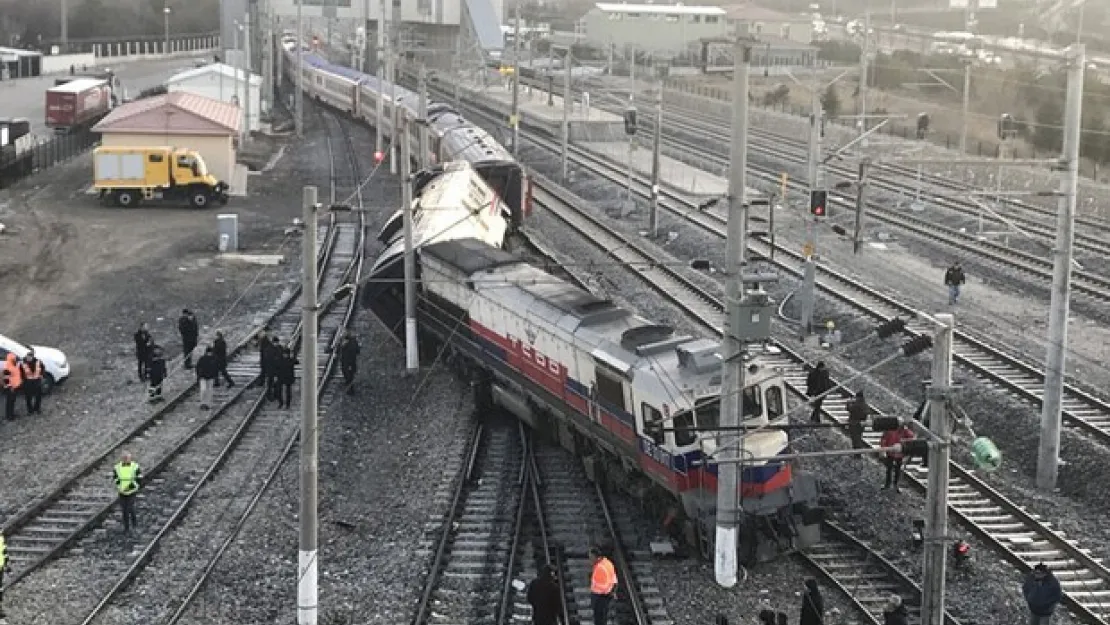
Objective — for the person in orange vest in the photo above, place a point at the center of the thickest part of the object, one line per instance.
(13, 380)
(32, 382)
(603, 585)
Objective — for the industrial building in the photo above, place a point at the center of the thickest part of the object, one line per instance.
(182, 120)
(658, 29)
(771, 25)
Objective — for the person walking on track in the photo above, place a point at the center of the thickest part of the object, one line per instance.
(127, 476)
(219, 350)
(207, 375)
(348, 360)
(190, 333)
(603, 585)
(143, 343)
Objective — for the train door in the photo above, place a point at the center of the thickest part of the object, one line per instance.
(611, 397)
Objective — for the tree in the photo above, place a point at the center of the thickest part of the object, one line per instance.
(830, 101)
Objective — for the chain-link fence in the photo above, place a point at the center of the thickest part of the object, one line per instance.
(15, 166)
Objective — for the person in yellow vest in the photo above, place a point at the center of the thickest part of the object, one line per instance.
(3, 565)
(32, 382)
(127, 475)
(13, 380)
(603, 585)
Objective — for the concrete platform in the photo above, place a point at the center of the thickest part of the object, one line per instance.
(586, 123)
(672, 173)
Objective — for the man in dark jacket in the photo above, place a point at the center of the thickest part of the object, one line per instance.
(954, 278)
(207, 372)
(817, 383)
(190, 332)
(1042, 594)
(545, 598)
(286, 375)
(264, 355)
(858, 413)
(143, 342)
(157, 372)
(813, 605)
(895, 612)
(348, 360)
(219, 350)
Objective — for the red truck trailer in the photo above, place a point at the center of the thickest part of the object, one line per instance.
(77, 103)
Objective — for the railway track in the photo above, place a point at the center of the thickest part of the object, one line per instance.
(472, 554)
(1020, 537)
(220, 456)
(1082, 409)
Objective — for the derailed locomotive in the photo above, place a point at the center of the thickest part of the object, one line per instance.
(621, 392)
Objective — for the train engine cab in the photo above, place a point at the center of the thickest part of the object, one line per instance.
(633, 399)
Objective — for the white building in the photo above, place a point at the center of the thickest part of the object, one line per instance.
(665, 29)
(221, 82)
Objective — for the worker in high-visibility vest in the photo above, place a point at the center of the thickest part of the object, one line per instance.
(127, 475)
(603, 585)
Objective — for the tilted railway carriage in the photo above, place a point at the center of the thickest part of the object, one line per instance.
(607, 382)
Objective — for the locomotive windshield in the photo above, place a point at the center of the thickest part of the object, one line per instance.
(707, 415)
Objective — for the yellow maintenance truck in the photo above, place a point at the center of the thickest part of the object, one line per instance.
(130, 175)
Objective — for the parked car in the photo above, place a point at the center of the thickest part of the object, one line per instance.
(54, 362)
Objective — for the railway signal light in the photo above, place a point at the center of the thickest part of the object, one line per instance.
(379, 156)
(818, 202)
(985, 455)
(885, 424)
(922, 125)
(1007, 126)
(630, 121)
(890, 327)
(917, 344)
(915, 448)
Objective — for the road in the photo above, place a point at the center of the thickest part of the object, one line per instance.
(27, 97)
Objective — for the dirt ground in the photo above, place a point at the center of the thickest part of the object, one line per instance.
(80, 277)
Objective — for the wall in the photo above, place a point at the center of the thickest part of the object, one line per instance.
(226, 90)
(115, 53)
(60, 63)
(415, 11)
(217, 152)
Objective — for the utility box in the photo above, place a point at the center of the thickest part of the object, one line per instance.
(227, 228)
(752, 322)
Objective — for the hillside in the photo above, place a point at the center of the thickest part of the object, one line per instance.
(31, 23)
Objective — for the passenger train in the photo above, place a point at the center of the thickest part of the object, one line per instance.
(623, 393)
(450, 136)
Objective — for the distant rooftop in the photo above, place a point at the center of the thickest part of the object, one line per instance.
(667, 9)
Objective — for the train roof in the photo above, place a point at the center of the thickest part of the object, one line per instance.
(469, 256)
(319, 62)
(79, 85)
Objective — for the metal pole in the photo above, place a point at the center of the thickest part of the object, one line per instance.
(861, 204)
(966, 106)
(268, 61)
(1048, 459)
(631, 138)
(380, 112)
(566, 111)
(425, 144)
(412, 354)
(307, 562)
(514, 116)
(656, 144)
(727, 485)
(395, 118)
(299, 96)
(166, 26)
(247, 80)
(936, 500)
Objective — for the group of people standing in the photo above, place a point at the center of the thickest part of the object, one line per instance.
(150, 358)
(279, 366)
(22, 375)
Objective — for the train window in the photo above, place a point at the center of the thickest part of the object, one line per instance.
(653, 423)
(610, 389)
(155, 158)
(773, 397)
(708, 412)
(753, 403)
(684, 433)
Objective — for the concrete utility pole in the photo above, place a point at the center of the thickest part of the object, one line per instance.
(425, 145)
(382, 73)
(279, 56)
(247, 79)
(514, 117)
(656, 145)
(412, 353)
(395, 121)
(861, 204)
(298, 97)
(631, 138)
(936, 504)
(65, 26)
(864, 62)
(307, 563)
(971, 26)
(725, 562)
(816, 183)
(268, 62)
(1048, 459)
(166, 26)
(566, 111)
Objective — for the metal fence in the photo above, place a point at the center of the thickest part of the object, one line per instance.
(56, 150)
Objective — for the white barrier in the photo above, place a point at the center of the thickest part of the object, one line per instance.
(116, 53)
(60, 63)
